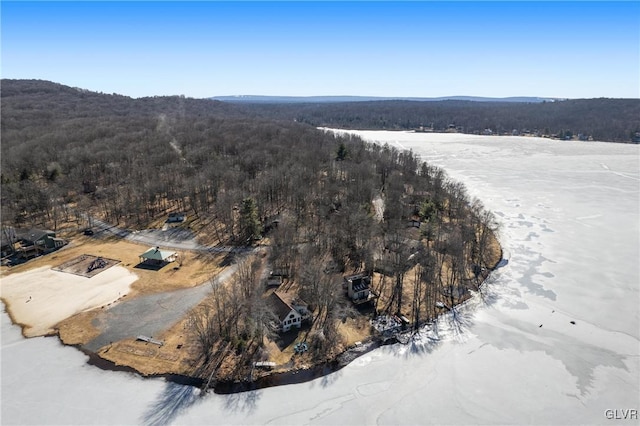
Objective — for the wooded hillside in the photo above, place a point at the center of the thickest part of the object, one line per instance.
(130, 161)
(329, 204)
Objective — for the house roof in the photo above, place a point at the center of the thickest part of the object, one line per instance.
(359, 282)
(154, 253)
(280, 307)
(32, 234)
(291, 300)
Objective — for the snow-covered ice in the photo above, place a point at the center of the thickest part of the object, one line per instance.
(569, 215)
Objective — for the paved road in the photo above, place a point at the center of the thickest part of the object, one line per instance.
(151, 314)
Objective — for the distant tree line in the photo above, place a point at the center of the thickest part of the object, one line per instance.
(609, 120)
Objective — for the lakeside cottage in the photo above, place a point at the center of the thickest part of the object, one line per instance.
(290, 312)
(42, 238)
(359, 288)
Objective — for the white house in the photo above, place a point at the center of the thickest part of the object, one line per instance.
(289, 311)
(359, 288)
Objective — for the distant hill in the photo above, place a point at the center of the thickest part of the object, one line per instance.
(35, 103)
(333, 99)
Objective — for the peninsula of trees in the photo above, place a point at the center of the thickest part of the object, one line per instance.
(322, 206)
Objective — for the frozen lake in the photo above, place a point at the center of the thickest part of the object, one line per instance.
(569, 215)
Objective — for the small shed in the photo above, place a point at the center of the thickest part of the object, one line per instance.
(155, 255)
(274, 280)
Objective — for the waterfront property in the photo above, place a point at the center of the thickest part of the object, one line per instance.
(290, 312)
(359, 288)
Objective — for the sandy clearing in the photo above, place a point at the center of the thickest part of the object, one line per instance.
(40, 298)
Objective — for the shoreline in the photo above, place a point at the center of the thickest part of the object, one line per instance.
(237, 386)
(296, 376)
(270, 379)
(529, 136)
(266, 378)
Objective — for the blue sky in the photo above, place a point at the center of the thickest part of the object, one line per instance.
(201, 49)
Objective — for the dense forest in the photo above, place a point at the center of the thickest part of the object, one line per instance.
(340, 205)
(609, 120)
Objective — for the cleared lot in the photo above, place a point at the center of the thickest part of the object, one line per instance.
(40, 298)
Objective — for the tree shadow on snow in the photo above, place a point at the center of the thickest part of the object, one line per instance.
(174, 399)
(324, 376)
(329, 377)
(242, 401)
(459, 322)
(452, 326)
(423, 344)
(489, 291)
